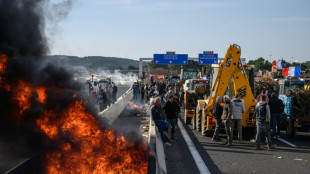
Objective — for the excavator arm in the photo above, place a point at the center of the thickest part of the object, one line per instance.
(225, 73)
(231, 71)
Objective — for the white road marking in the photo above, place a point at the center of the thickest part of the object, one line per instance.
(203, 169)
(284, 141)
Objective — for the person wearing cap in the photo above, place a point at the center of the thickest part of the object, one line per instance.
(171, 110)
(226, 117)
(135, 88)
(236, 117)
(158, 118)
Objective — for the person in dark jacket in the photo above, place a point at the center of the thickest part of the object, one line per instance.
(142, 92)
(146, 93)
(102, 100)
(276, 110)
(177, 101)
(114, 92)
(158, 118)
(171, 109)
(226, 117)
(262, 114)
(217, 113)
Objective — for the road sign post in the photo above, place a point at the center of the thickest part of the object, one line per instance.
(171, 59)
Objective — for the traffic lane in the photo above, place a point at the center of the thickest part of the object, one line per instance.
(181, 159)
(302, 139)
(243, 158)
(178, 156)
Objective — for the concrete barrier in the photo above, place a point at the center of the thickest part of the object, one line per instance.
(157, 147)
(112, 112)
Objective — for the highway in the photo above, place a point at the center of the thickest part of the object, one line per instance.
(290, 156)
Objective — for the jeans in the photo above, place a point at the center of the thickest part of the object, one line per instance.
(162, 126)
(263, 127)
(218, 122)
(276, 123)
(227, 129)
(239, 127)
(172, 122)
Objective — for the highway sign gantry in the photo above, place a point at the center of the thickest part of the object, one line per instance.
(173, 59)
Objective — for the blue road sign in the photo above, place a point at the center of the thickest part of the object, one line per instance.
(175, 59)
(207, 59)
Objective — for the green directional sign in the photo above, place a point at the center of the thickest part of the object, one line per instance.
(208, 52)
(170, 52)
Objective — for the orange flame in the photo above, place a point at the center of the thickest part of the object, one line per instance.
(84, 146)
(91, 150)
(3, 62)
(132, 104)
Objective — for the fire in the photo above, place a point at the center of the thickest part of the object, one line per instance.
(3, 62)
(132, 104)
(83, 146)
(91, 149)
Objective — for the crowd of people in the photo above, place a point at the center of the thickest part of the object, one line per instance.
(106, 96)
(226, 111)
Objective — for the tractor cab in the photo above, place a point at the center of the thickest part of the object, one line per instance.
(287, 85)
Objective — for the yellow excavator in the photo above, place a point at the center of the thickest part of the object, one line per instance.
(230, 78)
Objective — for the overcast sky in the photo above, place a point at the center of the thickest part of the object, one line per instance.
(139, 28)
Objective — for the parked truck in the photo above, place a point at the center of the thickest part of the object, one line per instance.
(296, 105)
(195, 89)
(188, 73)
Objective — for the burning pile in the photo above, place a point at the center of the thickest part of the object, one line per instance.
(301, 102)
(133, 105)
(265, 84)
(42, 103)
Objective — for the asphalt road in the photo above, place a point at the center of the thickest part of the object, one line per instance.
(239, 158)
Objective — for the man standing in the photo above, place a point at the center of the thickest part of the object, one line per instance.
(262, 114)
(135, 89)
(226, 117)
(276, 110)
(146, 93)
(158, 118)
(102, 100)
(142, 92)
(177, 101)
(237, 110)
(171, 109)
(114, 92)
(217, 113)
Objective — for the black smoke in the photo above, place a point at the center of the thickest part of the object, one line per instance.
(23, 41)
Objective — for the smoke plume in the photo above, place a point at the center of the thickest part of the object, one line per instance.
(41, 103)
